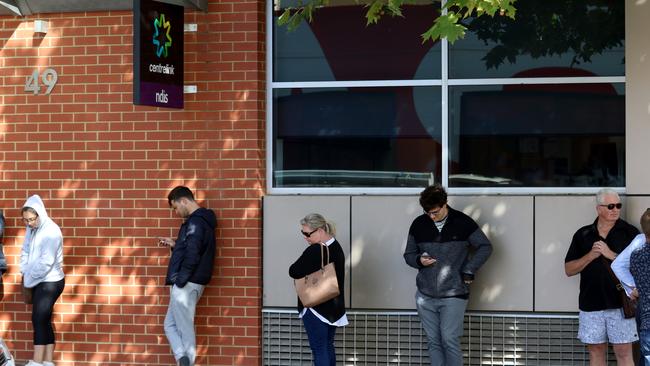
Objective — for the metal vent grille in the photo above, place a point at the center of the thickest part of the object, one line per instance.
(396, 338)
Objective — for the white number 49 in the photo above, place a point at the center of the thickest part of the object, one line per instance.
(49, 78)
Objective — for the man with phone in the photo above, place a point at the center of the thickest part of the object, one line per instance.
(447, 248)
(190, 269)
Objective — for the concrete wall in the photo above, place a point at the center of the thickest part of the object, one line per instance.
(530, 235)
(637, 98)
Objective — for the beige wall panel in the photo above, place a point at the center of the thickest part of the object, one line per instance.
(557, 218)
(504, 282)
(381, 279)
(637, 98)
(635, 206)
(283, 242)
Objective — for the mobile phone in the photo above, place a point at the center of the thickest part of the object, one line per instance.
(425, 255)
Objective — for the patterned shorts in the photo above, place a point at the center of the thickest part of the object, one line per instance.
(600, 326)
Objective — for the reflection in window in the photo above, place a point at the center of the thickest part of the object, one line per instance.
(554, 35)
(338, 45)
(356, 137)
(537, 136)
(344, 134)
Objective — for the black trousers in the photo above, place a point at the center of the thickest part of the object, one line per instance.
(44, 296)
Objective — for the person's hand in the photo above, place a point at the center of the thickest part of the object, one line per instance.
(166, 242)
(595, 251)
(427, 260)
(602, 248)
(634, 295)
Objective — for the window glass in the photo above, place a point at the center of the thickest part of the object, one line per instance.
(546, 39)
(338, 46)
(356, 137)
(569, 135)
(521, 135)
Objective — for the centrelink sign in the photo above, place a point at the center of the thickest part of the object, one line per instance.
(157, 54)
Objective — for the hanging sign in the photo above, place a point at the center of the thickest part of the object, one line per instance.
(157, 54)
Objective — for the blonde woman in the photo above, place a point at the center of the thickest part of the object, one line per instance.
(321, 320)
(41, 264)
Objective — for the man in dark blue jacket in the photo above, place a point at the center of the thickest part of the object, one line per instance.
(189, 270)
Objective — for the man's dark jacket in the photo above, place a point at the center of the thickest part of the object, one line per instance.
(193, 254)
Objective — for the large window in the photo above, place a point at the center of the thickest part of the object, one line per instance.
(534, 103)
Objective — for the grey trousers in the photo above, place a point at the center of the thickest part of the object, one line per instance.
(179, 321)
(442, 320)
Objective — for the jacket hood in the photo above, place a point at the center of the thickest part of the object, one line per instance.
(206, 214)
(36, 203)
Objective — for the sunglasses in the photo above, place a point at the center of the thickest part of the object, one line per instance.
(306, 234)
(612, 205)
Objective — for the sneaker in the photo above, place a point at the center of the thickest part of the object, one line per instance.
(32, 363)
(47, 363)
(183, 361)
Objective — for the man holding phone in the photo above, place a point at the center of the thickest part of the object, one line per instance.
(190, 269)
(447, 248)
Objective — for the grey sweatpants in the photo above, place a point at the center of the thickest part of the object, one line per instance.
(179, 322)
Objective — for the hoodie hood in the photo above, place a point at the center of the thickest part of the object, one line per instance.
(207, 215)
(41, 258)
(36, 203)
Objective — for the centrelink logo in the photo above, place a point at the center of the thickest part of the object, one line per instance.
(161, 37)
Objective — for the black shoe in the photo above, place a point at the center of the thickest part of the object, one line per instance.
(184, 361)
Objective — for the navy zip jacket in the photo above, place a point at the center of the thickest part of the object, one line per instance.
(193, 254)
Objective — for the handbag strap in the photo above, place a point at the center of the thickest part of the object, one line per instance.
(608, 265)
(327, 249)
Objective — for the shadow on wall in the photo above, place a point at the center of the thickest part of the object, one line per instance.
(381, 278)
(104, 168)
(115, 299)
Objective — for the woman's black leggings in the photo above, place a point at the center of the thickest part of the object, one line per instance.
(44, 295)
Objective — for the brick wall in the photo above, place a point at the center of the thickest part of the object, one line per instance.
(104, 166)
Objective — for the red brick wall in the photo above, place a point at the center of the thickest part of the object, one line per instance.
(104, 166)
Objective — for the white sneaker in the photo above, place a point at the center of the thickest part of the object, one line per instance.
(32, 363)
(47, 363)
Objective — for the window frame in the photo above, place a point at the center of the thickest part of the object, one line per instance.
(444, 83)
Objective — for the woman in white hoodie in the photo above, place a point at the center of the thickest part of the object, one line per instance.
(41, 264)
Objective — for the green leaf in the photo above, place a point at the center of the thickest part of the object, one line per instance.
(374, 12)
(295, 20)
(445, 26)
(395, 7)
(509, 10)
(308, 14)
(284, 18)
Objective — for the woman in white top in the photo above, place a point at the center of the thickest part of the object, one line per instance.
(41, 264)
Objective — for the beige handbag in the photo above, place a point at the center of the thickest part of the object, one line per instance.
(320, 286)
